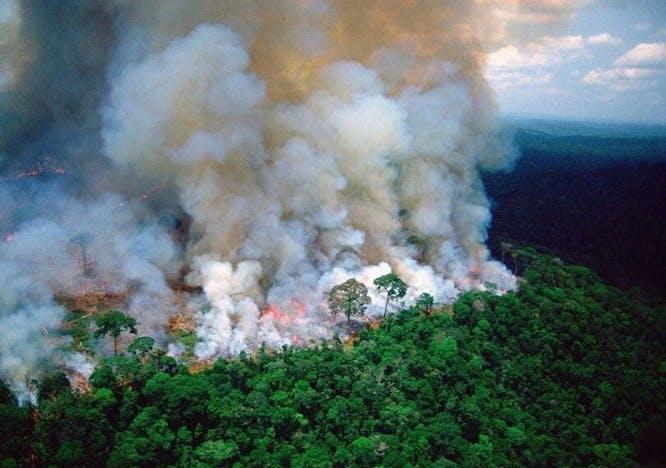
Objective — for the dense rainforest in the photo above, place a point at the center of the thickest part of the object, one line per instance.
(568, 370)
(565, 371)
(590, 194)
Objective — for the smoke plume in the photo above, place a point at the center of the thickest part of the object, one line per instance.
(305, 141)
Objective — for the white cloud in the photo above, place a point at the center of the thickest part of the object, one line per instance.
(621, 79)
(558, 44)
(510, 57)
(520, 20)
(604, 39)
(512, 79)
(644, 55)
(512, 67)
(641, 68)
(542, 12)
(547, 50)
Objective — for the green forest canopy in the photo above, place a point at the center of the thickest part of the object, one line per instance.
(565, 371)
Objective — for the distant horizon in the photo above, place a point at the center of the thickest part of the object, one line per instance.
(577, 119)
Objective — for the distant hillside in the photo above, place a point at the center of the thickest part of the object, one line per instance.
(585, 128)
(595, 200)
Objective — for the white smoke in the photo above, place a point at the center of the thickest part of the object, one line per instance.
(305, 159)
(307, 141)
(126, 252)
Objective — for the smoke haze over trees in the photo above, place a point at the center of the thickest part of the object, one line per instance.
(257, 233)
(566, 371)
(255, 156)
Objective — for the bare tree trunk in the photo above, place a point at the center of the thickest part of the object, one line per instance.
(115, 345)
(386, 305)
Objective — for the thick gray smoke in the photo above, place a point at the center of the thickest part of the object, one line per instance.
(68, 247)
(55, 191)
(308, 141)
(310, 151)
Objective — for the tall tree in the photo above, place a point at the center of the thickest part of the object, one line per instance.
(350, 298)
(114, 323)
(425, 302)
(394, 287)
(83, 240)
(141, 346)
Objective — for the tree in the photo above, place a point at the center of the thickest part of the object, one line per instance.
(83, 240)
(114, 323)
(350, 298)
(425, 302)
(52, 385)
(216, 452)
(394, 287)
(141, 345)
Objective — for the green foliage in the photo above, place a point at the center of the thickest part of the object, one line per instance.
(580, 198)
(393, 286)
(350, 298)
(564, 372)
(425, 303)
(141, 345)
(72, 431)
(52, 385)
(78, 325)
(216, 452)
(16, 431)
(188, 340)
(113, 323)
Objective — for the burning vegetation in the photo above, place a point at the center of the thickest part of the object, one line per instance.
(233, 178)
(216, 171)
(46, 166)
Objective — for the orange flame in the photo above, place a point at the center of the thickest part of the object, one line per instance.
(475, 270)
(285, 317)
(46, 166)
(274, 312)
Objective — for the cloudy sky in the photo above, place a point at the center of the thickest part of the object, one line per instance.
(577, 59)
(606, 61)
